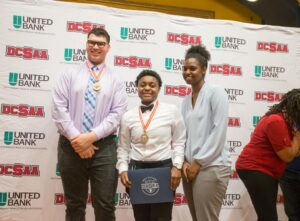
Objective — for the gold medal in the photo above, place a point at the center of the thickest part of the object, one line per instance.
(144, 138)
(97, 86)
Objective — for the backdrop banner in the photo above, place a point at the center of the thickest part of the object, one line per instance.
(256, 65)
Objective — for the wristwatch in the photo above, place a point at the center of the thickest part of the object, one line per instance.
(177, 165)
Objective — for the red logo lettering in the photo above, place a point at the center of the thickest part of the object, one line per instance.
(225, 69)
(132, 62)
(268, 96)
(22, 110)
(180, 91)
(82, 27)
(27, 53)
(183, 39)
(272, 47)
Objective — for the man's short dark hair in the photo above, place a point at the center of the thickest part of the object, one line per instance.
(100, 32)
(148, 73)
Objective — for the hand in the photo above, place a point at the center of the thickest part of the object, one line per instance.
(175, 178)
(296, 142)
(124, 179)
(88, 152)
(185, 167)
(297, 135)
(83, 141)
(193, 170)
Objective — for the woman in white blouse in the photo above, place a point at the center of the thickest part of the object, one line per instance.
(207, 163)
(151, 135)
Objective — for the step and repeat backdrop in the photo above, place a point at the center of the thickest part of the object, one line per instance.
(255, 64)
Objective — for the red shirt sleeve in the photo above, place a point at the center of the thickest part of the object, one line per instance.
(278, 133)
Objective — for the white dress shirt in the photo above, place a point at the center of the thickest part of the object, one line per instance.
(166, 134)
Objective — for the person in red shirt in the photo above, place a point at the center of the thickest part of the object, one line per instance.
(274, 142)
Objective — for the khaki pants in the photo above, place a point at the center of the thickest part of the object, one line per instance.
(206, 193)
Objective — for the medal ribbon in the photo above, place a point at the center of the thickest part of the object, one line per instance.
(98, 75)
(145, 126)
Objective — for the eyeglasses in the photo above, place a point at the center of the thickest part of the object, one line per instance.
(100, 44)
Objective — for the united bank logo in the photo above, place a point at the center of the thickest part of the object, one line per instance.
(234, 145)
(57, 170)
(19, 170)
(13, 79)
(269, 96)
(231, 200)
(17, 21)
(3, 199)
(27, 53)
(22, 110)
(82, 27)
(225, 69)
(255, 120)
(31, 23)
(229, 42)
(180, 90)
(174, 64)
(272, 47)
(74, 55)
(234, 94)
(8, 137)
(20, 138)
(131, 89)
(268, 72)
(136, 34)
(26, 80)
(122, 200)
(183, 39)
(132, 62)
(17, 200)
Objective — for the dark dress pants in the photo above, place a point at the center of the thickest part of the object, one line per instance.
(76, 174)
(262, 189)
(290, 185)
(154, 211)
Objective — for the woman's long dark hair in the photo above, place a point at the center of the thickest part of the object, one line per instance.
(290, 104)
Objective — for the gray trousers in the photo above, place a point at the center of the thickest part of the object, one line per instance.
(206, 193)
(76, 174)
